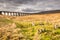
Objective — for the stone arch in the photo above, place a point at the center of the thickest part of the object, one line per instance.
(2, 13)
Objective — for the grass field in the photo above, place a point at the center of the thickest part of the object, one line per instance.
(32, 27)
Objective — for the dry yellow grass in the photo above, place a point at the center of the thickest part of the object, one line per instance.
(20, 29)
(50, 17)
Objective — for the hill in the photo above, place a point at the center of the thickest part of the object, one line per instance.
(31, 27)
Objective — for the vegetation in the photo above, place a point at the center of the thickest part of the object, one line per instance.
(17, 28)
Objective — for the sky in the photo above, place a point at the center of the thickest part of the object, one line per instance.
(30, 6)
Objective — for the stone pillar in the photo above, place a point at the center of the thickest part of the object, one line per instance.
(20, 14)
(11, 13)
(17, 14)
(24, 14)
(14, 14)
(7, 13)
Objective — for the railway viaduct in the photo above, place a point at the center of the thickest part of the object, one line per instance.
(8, 13)
(14, 13)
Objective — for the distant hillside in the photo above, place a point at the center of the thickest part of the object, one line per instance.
(45, 12)
(50, 11)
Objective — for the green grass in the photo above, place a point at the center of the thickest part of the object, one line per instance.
(4, 21)
(30, 30)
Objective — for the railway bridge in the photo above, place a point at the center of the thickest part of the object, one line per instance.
(8, 13)
(14, 13)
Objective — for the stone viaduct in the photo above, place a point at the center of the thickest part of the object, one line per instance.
(14, 13)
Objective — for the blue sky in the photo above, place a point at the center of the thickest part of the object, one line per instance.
(29, 5)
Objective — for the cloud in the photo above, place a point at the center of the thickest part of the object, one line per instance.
(30, 10)
(29, 5)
